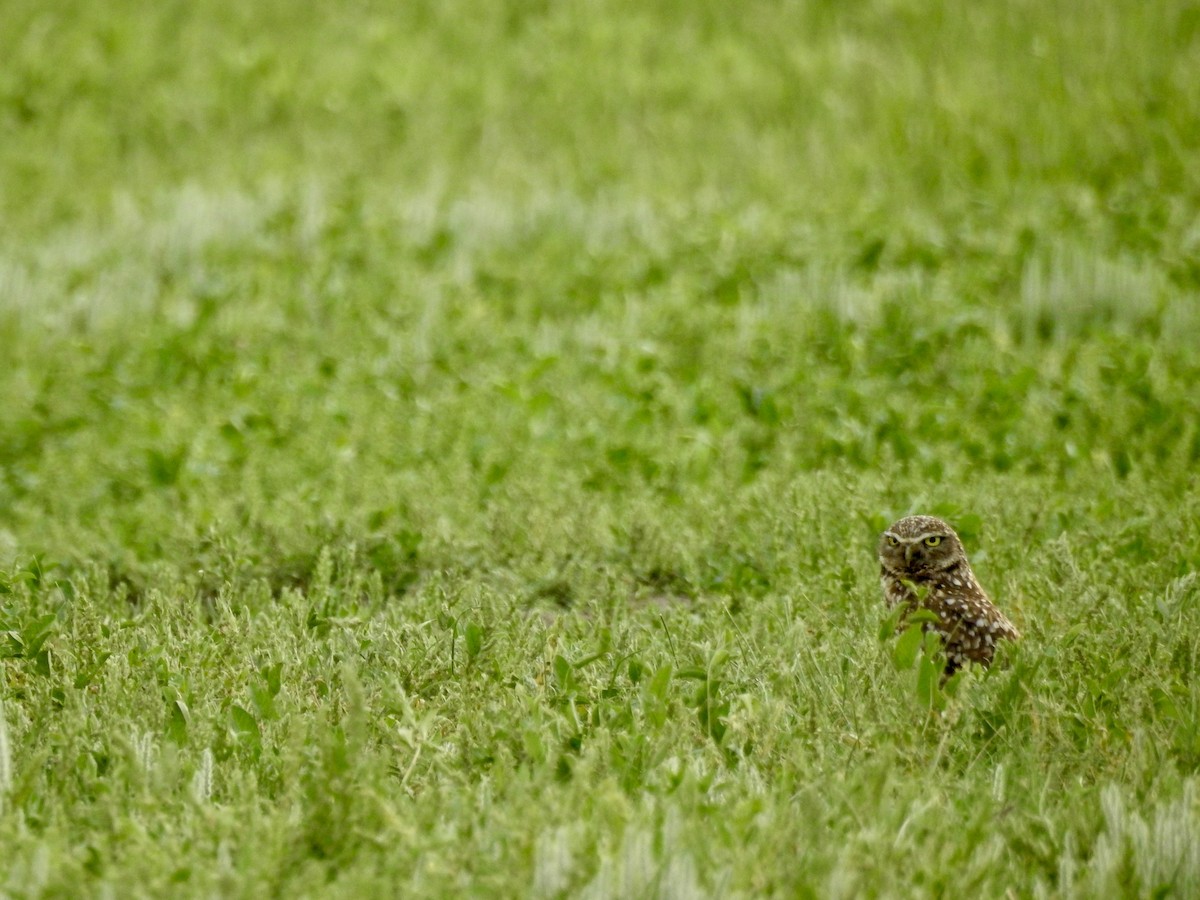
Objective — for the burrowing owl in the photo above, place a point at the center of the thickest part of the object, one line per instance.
(924, 553)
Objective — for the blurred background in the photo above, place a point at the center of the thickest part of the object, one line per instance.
(251, 256)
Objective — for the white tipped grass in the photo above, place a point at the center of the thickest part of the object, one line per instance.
(648, 862)
(1159, 850)
(145, 748)
(1071, 290)
(202, 781)
(553, 862)
(628, 870)
(109, 273)
(6, 769)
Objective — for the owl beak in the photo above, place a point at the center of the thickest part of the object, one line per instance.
(908, 552)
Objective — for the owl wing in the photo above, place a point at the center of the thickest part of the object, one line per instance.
(970, 625)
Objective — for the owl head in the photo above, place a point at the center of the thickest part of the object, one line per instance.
(919, 547)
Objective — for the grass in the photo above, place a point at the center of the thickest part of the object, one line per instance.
(444, 448)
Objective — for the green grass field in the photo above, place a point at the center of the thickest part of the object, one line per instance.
(443, 448)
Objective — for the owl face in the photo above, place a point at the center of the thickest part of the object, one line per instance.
(918, 547)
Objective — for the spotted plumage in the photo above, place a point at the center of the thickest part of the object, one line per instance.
(923, 552)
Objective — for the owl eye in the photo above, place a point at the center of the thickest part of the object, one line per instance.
(894, 541)
(933, 540)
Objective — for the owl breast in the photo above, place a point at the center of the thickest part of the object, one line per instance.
(968, 623)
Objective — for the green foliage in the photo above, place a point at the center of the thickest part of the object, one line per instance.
(444, 447)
